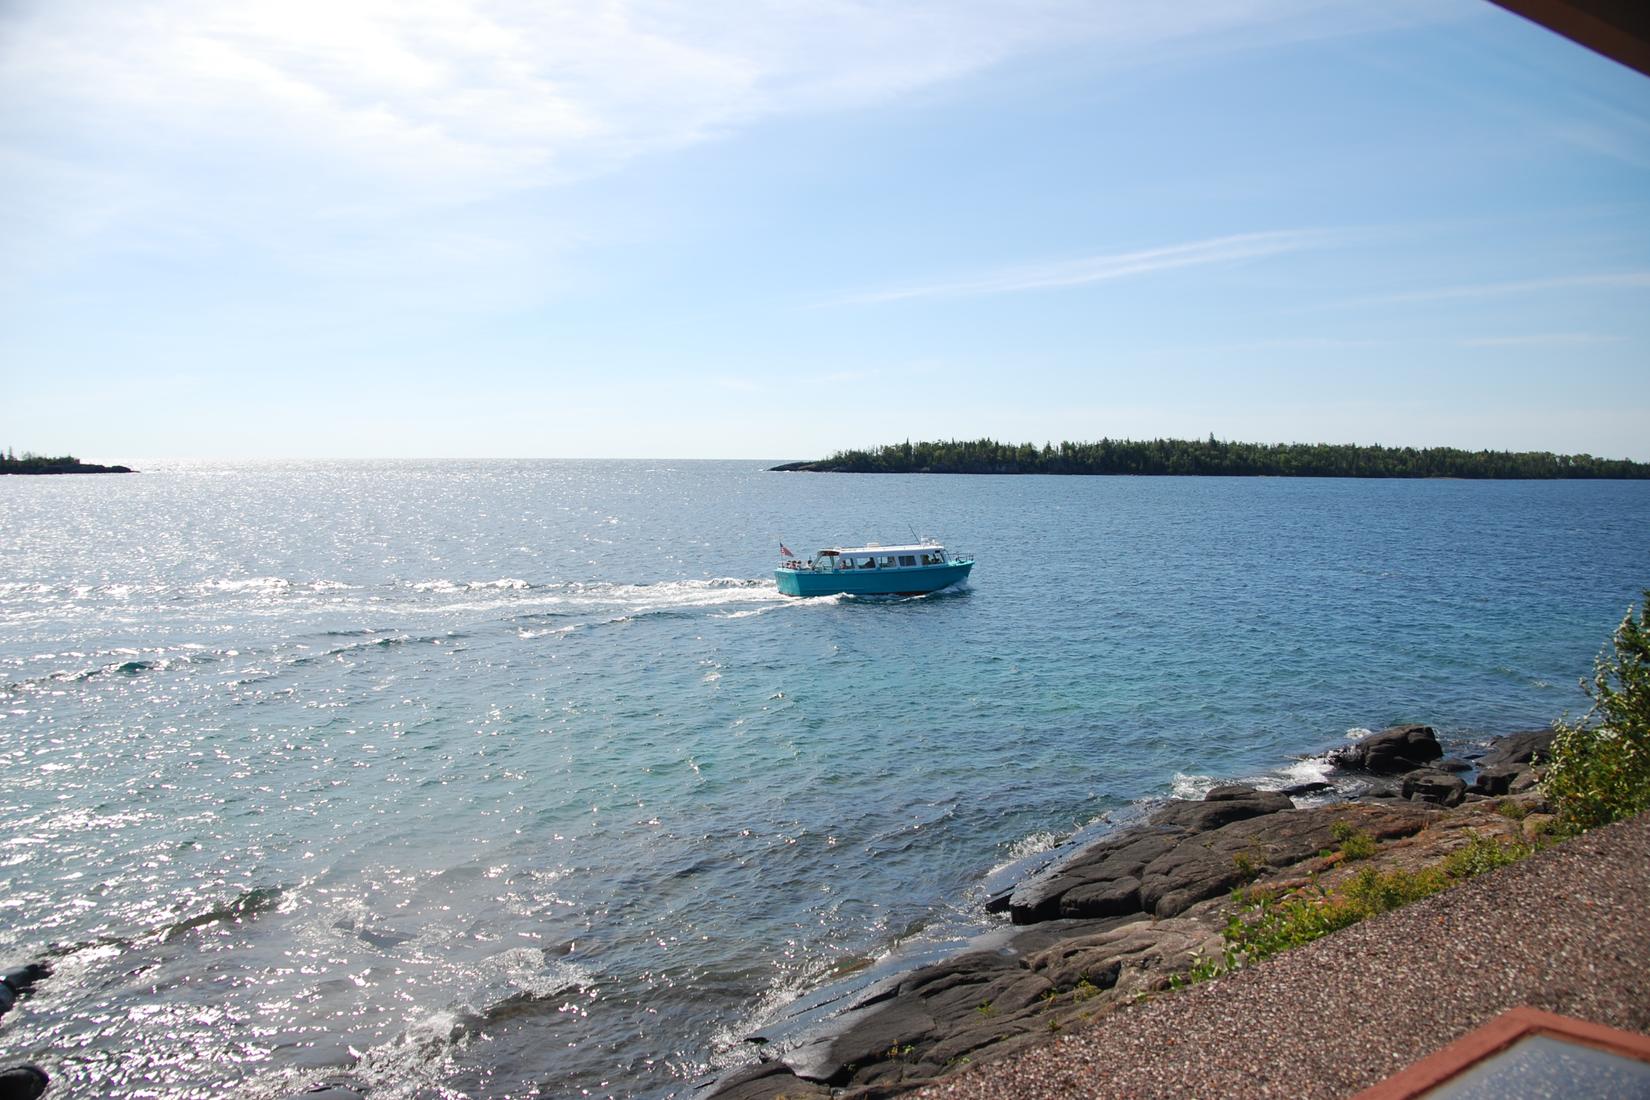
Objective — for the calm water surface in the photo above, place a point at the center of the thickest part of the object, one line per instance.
(520, 778)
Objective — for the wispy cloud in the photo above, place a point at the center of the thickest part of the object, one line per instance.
(1059, 274)
(277, 125)
(1539, 339)
(1620, 280)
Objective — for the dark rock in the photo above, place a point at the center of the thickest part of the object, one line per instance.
(1189, 852)
(1298, 789)
(23, 1082)
(767, 1081)
(1233, 792)
(21, 978)
(1116, 857)
(15, 981)
(867, 1039)
(1233, 804)
(1426, 785)
(1495, 781)
(1390, 752)
(1529, 747)
(1113, 898)
(1036, 938)
(1383, 790)
(1525, 780)
(1453, 764)
(988, 1032)
(1186, 876)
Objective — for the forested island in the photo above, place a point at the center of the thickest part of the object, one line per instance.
(12, 463)
(1215, 457)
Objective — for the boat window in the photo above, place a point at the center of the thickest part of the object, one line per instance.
(868, 563)
(888, 561)
(907, 559)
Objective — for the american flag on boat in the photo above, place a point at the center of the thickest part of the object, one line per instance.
(785, 551)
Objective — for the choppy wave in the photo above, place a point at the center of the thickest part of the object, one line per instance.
(497, 991)
(242, 907)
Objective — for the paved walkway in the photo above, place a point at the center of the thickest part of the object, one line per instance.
(1567, 930)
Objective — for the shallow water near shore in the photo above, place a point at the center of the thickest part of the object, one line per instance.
(519, 778)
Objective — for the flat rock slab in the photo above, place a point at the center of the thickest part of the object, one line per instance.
(1192, 851)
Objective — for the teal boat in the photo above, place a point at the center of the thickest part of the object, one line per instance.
(873, 571)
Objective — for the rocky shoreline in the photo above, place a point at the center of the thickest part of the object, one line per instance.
(1107, 924)
(1129, 916)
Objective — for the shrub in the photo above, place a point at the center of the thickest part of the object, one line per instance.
(1481, 854)
(1599, 770)
(1355, 843)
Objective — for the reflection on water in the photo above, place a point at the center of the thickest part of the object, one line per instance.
(486, 778)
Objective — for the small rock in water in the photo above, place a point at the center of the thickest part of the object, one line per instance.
(23, 1082)
(1391, 752)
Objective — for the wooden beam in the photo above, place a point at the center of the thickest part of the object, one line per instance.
(1618, 29)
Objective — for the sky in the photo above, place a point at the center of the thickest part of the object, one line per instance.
(490, 228)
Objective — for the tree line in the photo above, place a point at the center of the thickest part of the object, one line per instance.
(28, 463)
(1218, 458)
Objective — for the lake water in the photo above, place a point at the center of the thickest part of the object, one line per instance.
(520, 778)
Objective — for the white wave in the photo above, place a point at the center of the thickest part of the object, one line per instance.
(1314, 769)
(749, 612)
(1357, 733)
(417, 1062)
(270, 585)
(509, 584)
(1032, 845)
(1193, 786)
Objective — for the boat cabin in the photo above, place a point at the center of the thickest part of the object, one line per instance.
(846, 559)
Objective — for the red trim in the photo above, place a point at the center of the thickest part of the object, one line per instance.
(1496, 1036)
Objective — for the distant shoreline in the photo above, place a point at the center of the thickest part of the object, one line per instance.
(67, 464)
(1218, 458)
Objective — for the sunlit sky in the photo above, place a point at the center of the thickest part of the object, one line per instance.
(282, 228)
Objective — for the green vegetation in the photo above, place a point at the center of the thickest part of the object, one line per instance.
(1600, 766)
(1268, 923)
(1218, 457)
(1355, 843)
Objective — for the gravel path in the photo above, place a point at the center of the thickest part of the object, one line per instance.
(1565, 931)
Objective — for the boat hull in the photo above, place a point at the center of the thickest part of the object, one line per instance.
(872, 582)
